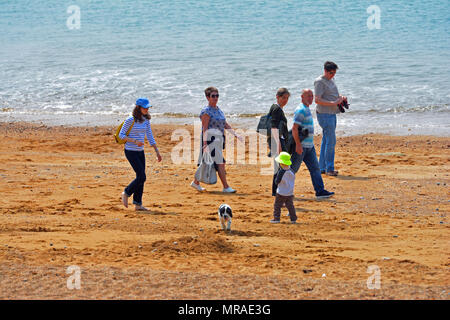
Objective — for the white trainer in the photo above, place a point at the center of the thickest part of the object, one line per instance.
(124, 199)
(228, 190)
(197, 186)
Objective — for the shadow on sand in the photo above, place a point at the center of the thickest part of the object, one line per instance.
(227, 194)
(240, 233)
(157, 213)
(352, 178)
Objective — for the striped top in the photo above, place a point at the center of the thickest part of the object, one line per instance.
(303, 117)
(138, 132)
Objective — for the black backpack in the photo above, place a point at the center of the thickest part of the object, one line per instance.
(264, 125)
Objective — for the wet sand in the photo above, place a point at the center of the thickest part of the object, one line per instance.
(60, 206)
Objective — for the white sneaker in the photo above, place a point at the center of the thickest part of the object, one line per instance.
(125, 199)
(228, 190)
(197, 186)
(140, 208)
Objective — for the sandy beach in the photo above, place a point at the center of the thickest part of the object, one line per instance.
(60, 206)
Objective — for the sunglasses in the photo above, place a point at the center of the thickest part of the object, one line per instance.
(214, 95)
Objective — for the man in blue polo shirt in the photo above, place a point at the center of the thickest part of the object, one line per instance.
(304, 150)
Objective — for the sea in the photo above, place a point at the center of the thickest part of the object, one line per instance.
(85, 62)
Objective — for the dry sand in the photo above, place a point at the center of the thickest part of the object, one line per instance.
(60, 206)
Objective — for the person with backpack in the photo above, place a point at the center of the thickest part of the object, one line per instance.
(278, 130)
(134, 130)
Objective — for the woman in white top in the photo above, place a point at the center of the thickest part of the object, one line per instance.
(134, 150)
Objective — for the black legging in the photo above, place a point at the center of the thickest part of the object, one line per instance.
(136, 187)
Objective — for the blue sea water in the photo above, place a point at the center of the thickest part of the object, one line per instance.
(396, 77)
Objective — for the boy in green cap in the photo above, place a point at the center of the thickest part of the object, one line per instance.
(285, 180)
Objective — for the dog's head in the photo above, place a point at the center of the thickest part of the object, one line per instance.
(225, 211)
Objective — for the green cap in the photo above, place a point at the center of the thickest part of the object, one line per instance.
(284, 158)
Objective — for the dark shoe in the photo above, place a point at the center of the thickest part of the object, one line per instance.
(332, 173)
(324, 194)
(274, 221)
(293, 222)
(322, 171)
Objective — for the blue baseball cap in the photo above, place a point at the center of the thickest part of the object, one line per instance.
(143, 102)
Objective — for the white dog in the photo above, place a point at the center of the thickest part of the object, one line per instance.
(225, 215)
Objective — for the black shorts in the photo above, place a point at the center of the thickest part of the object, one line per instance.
(213, 152)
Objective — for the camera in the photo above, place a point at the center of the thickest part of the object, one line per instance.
(303, 133)
(343, 105)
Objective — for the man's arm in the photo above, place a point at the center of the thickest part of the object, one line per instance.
(298, 143)
(327, 103)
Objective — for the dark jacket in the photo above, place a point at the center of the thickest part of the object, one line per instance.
(279, 122)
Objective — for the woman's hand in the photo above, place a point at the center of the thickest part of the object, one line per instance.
(159, 157)
(205, 147)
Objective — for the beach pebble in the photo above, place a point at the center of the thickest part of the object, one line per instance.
(201, 229)
(154, 250)
(51, 244)
(441, 222)
(307, 270)
(324, 275)
(395, 236)
(256, 245)
(386, 258)
(139, 246)
(175, 243)
(97, 177)
(362, 198)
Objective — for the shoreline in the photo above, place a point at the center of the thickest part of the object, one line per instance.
(245, 123)
(61, 206)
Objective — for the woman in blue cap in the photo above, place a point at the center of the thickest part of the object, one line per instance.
(139, 122)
